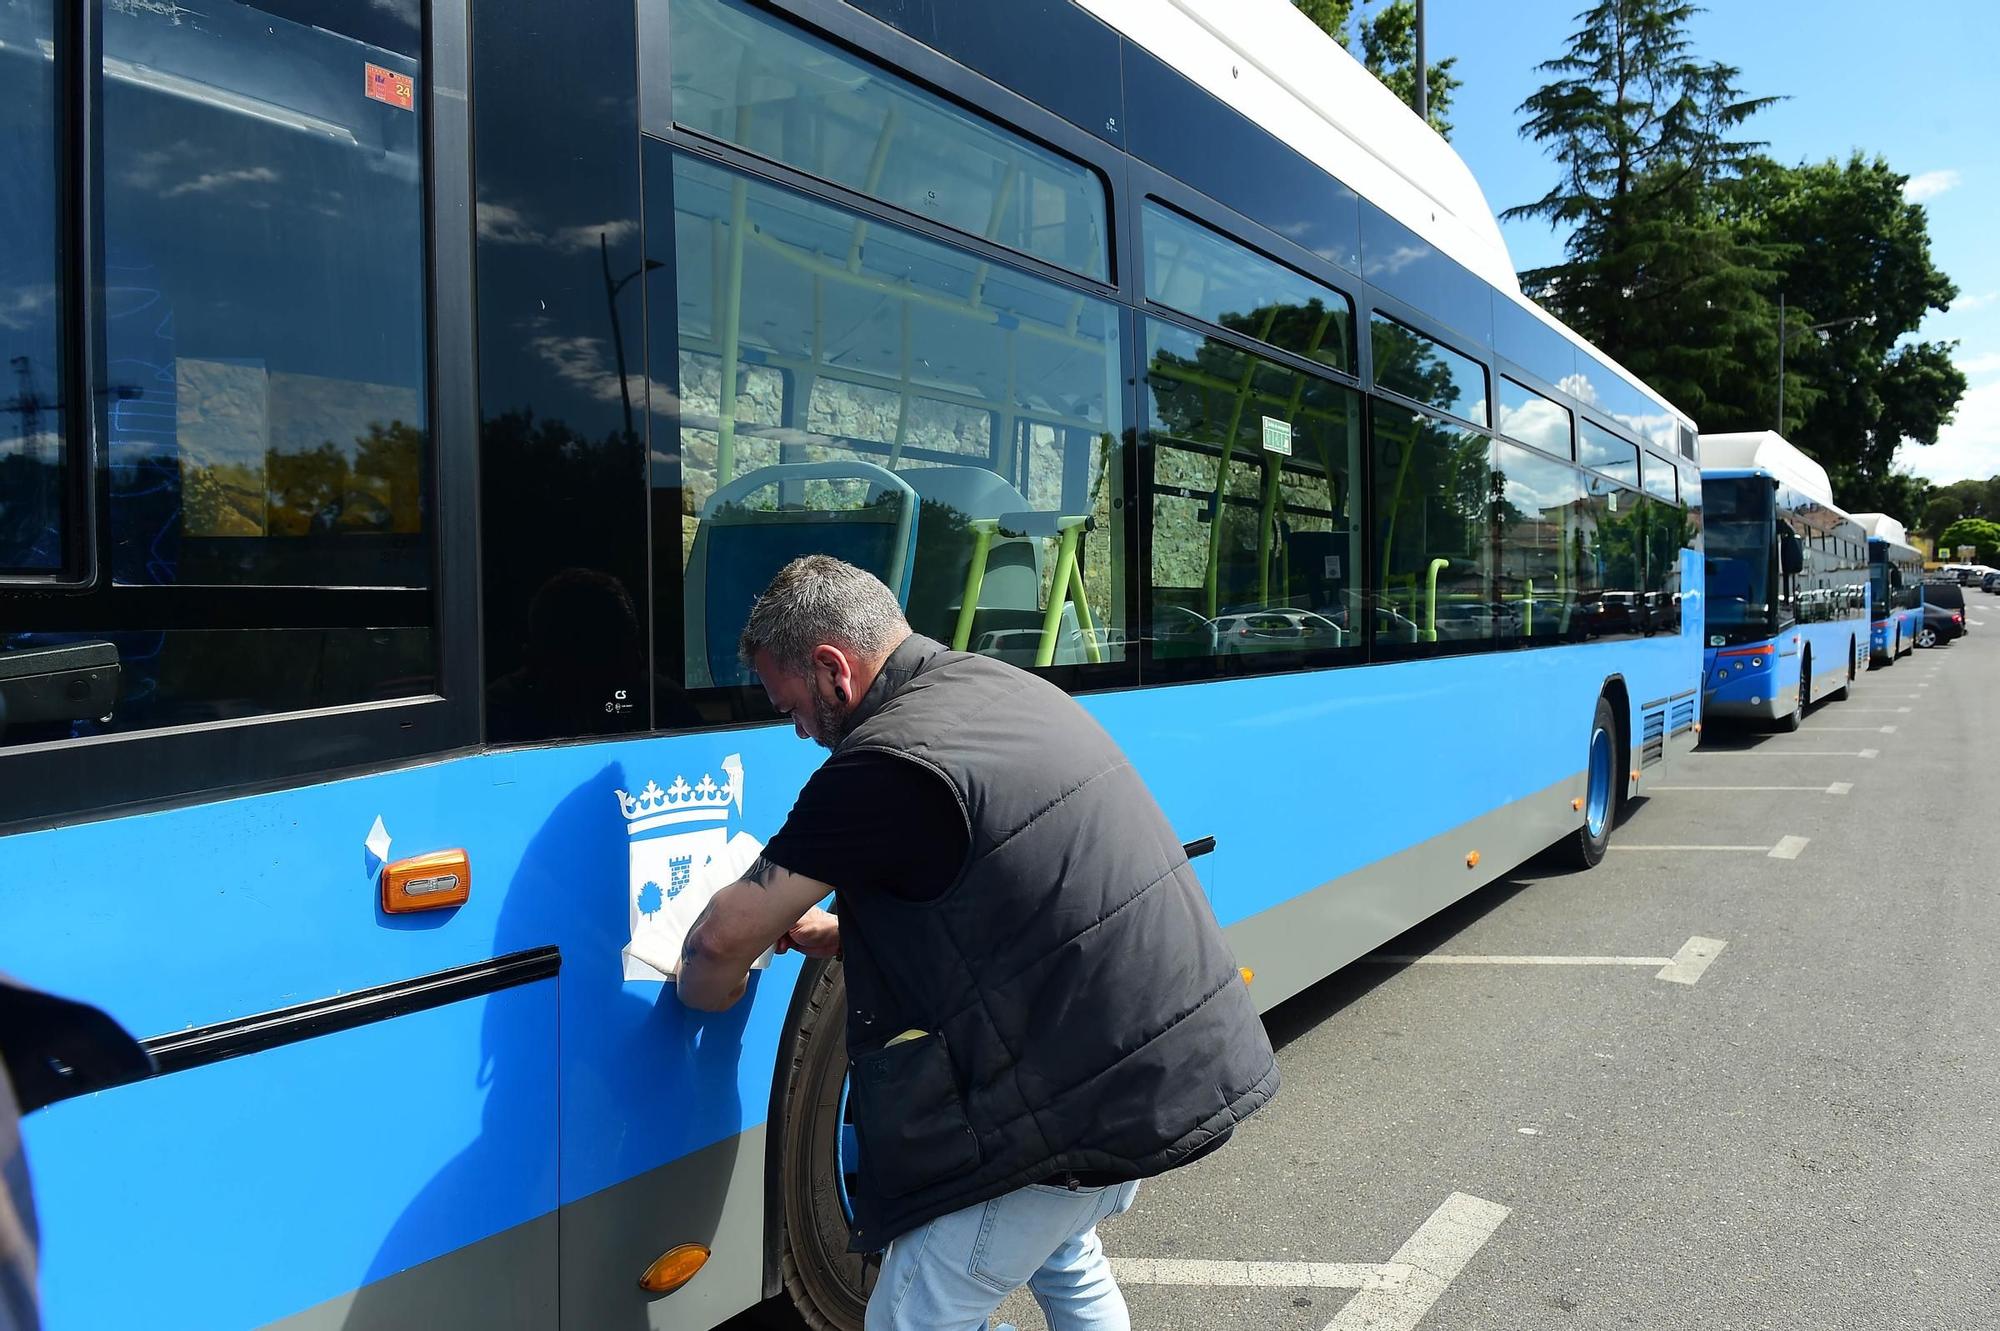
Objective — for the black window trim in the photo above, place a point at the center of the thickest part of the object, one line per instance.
(1558, 398)
(73, 781)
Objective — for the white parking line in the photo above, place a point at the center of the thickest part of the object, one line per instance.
(1251, 1275)
(1693, 958)
(1788, 753)
(1900, 711)
(1788, 848)
(1464, 959)
(1837, 788)
(1684, 967)
(1435, 1254)
(1761, 850)
(1859, 730)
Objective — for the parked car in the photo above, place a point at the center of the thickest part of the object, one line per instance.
(1990, 582)
(1941, 624)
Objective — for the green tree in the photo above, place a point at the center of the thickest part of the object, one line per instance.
(1974, 532)
(1388, 38)
(1946, 504)
(1643, 132)
(1857, 257)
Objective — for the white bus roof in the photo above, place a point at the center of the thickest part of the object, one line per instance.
(1767, 450)
(1269, 62)
(1884, 527)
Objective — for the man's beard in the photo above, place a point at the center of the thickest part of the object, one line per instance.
(831, 721)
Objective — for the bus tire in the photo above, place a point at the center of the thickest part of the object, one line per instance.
(825, 1286)
(1801, 697)
(1585, 847)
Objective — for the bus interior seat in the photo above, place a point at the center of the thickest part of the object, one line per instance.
(1007, 616)
(739, 549)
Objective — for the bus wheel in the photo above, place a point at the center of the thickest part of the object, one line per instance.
(1801, 698)
(826, 1286)
(1587, 844)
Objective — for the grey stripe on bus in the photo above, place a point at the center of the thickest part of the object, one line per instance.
(1299, 942)
(509, 1281)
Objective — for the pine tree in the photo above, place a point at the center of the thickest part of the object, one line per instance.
(1642, 130)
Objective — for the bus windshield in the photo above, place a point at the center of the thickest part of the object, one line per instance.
(1739, 527)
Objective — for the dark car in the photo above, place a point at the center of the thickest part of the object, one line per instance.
(1990, 582)
(1941, 622)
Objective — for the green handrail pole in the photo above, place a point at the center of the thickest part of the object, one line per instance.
(1431, 599)
(975, 581)
(902, 395)
(876, 162)
(1045, 652)
(732, 327)
(1091, 652)
(1274, 467)
(1208, 583)
(1528, 616)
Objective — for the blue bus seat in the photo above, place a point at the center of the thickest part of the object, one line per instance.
(738, 549)
(1010, 594)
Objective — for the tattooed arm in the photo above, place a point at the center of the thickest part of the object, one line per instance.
(742, 920)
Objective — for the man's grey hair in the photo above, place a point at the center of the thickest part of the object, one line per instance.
(819, 600)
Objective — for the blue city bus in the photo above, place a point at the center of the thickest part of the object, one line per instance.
(1787, 575)
(1895, 589)
(406, 402)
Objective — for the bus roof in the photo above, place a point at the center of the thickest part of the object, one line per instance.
(1270, 63)
(1768, 451)
(1882, 527)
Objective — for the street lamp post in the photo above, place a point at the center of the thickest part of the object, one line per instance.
(1423, 76)
(1809, 328)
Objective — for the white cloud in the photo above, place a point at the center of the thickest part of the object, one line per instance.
(1964, 303)
(1929, 185)
(210, 181)
(1976, 366)
(1969, 447)
(506, 225)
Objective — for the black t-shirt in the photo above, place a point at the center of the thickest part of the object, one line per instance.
(869, 820)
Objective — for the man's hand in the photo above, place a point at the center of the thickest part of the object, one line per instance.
(817, 934)
(742, 920)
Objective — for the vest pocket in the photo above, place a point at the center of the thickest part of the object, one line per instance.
(909, 1116)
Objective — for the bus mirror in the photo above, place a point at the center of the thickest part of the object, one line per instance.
(1791, 554)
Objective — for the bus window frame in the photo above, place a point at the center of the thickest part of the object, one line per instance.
(98, 777)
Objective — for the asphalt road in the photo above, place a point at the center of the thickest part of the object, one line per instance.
(1806, 1137)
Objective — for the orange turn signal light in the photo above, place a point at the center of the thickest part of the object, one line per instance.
(1248, 974)
(673, 1268)
(437, 881)
(1472, 860)
(1577, 804)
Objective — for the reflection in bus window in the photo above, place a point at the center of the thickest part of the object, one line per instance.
(32, 424)
(763, 85)
(1533, 419)
(1538, 510)
(1435, 489)
(1427, 371)
(1192, 269)
(265, 333)
(1255, 545)
(948, 424)
(264, 301)
(1598, 447)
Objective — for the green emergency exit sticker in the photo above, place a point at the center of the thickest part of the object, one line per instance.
(1277, 436)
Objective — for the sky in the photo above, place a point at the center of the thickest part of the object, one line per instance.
(1915, 83)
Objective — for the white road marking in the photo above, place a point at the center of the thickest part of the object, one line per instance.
(1837, 788)
(1977, 623)
(1382, 1276)
(1463, 959)
(1787, 753)
(1858, 730)
(1788, 847)
(1761, 850)
(1693, 958)
(1848, 711)
(1435, 1254)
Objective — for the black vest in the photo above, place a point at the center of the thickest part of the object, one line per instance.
(1080, 1009)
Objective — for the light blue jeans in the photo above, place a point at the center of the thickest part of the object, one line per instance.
(951, 1274)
